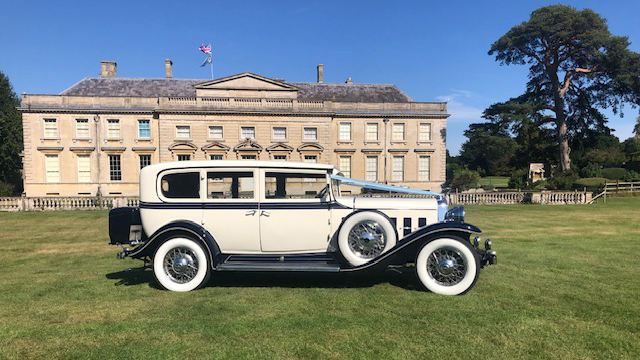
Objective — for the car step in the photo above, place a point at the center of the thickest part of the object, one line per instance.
(310, 266)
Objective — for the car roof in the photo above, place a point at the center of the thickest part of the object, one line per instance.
(236, 164)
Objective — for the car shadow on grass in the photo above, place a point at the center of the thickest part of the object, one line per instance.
(403, 277)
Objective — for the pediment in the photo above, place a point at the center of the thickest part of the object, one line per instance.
(245, 81)
(279, 147)
(311, 147)
(248, 145)
(215, 146)
(183, 146)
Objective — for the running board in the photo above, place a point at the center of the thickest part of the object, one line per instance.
(305, 266)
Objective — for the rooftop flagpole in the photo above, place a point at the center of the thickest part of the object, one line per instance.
(207, 51)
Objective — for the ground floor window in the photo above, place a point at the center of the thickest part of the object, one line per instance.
(145, 160)
(311, 159)
(115, 168)
(52, 167)
(248, 157)
(280, 157)
(215, 157)
(424, 163)
(398, 168)
(184, 157)
(372, 168)
(84, 168)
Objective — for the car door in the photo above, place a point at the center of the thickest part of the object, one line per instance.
(293, 216)
(230, 210)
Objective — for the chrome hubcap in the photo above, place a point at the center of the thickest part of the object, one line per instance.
(446, 266)
(367, 239)
(181, 264)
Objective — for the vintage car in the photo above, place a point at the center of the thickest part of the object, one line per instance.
(197, 217)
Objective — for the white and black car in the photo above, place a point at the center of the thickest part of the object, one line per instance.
(197, 217)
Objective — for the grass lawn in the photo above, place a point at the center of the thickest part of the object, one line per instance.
(497, 181)
(566, 287)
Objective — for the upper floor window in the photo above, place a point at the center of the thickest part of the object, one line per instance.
(216, 133)
(183, 132)
(345, 132)
(248, 132)
(310, 133)
(372, 132)
(50, 128)
(424, 132)
(398, 132)
(52, 168)
(113, 128)
(82, 128)
(279, 133)
(372, 168)
(144, 129)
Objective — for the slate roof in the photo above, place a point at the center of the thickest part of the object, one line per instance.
(185, 88)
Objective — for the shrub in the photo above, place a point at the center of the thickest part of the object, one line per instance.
(6, 189)
(519, 179)
(614, 173)
(488, 187)
(465, 179)
(538, 185)
(631, 176)
(590, 183)
(563, 181)
(591, 171)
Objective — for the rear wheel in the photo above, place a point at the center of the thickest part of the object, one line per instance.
(181, 264)
(448, 266)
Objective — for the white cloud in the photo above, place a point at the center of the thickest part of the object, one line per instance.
(459, 108)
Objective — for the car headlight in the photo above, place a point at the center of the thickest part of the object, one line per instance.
(455, 214)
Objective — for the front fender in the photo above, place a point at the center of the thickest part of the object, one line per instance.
(407, 248)
(180, 226)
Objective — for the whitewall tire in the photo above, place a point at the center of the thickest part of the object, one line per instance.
(181, 264)
(364, 236)
(448, 266)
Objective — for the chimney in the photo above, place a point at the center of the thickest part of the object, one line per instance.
(320, 75)
(348, 81)
(169, 67)
(108, 69)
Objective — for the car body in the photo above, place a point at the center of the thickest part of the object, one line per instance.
(198, 217)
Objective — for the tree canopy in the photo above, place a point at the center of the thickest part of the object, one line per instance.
(10, 135)
(576, 67)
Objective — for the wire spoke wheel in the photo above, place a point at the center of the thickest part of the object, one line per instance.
(181, 264)
(446, 266)
(367, 239)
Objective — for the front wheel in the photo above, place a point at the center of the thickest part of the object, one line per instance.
(448, 266)
(181, 264)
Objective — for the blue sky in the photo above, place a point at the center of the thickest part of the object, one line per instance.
(432, 50)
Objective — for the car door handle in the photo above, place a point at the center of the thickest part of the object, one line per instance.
(250, 212)
(265, 213)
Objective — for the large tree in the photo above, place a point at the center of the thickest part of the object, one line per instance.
(10, 135)
(489, 149)
(575, 68)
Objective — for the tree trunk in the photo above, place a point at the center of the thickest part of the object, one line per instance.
(561, 122)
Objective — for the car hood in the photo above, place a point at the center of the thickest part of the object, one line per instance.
(388, 203)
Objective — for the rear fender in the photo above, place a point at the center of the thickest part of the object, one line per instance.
(174, 228)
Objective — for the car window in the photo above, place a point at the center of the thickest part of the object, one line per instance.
(293, 185)
(230, 185)
(181, 185)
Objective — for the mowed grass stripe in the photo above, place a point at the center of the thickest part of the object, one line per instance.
(565, 288)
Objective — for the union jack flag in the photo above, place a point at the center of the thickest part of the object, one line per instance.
(205, 49)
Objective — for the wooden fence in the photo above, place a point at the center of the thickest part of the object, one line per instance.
(617, 187)
(65, 203)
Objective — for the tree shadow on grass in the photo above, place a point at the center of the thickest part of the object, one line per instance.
(403, 277)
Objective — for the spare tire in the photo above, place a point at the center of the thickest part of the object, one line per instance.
(365, 236)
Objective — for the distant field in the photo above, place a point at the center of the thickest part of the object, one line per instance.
(497, 181)
(566, 287)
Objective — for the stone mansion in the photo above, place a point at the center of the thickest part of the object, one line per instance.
(94, 137)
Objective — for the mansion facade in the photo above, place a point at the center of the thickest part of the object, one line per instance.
(94, 137)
